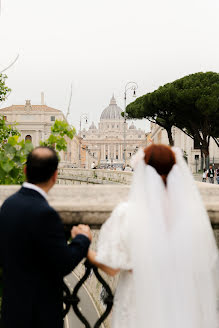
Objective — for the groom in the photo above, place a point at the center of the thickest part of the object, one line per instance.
(33, 250)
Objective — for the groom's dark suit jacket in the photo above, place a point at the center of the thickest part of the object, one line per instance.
(35, 258)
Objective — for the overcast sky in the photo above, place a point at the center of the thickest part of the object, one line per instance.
(100, 45)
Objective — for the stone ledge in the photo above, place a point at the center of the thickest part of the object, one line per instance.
(95, 175)
(92, 204)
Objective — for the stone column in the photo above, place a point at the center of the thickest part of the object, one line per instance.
(121, 153)
(101, 152)
(108, 151)
(37, 138)
(104, 152)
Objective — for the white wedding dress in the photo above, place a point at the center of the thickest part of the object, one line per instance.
(162, 242)
(114, 251)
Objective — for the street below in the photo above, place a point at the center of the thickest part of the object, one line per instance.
(86, 305)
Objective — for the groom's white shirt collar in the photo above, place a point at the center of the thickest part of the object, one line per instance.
(36, 188)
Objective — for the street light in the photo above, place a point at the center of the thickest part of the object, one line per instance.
(129, 86)
(83, 116)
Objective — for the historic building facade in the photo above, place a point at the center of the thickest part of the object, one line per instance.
(181, 140)
(34, 123)
(105, 144)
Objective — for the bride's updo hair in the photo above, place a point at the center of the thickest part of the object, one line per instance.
(161, 157)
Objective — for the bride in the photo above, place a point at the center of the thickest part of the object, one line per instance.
(162, 243)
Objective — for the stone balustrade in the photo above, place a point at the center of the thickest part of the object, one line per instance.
(92, 204)
(84, 176)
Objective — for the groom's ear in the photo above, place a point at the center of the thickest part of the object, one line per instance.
(55, 175)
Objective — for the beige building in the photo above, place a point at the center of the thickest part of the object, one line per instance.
(181, 140)
(34, 123)
(105, 144)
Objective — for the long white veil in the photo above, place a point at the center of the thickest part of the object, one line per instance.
(174, 253)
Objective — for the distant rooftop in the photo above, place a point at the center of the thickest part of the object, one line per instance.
(29, 107)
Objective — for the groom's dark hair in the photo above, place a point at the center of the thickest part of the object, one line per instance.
(160, 157)
(42, 162)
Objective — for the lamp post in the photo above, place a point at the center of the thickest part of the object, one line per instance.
(129, 86)
(83, 116)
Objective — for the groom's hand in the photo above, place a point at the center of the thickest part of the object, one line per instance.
(81, 229)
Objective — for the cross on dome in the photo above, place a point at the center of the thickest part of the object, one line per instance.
(113, 100)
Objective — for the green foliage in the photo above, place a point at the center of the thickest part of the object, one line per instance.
(6, 131)
(13, 154)
(4, 90)
(190, 103)
(57, 139)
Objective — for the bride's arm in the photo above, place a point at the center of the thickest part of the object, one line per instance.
(92, 258)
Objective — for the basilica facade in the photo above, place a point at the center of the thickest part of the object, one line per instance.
(113, 142)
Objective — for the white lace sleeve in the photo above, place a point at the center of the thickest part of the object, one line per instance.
(113, 247)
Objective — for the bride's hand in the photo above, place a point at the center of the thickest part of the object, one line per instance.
(91, 255)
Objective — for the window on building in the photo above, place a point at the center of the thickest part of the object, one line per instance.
(106, 156)
(117, 157)
(113, 126)
(28, 138)
(117, 126)
(139, 136)
(52, 118)
(130, 154)
(84, 136)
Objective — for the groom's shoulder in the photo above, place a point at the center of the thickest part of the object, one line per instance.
(28, 201)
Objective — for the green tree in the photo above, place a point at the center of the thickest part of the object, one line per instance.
(157, 108)
(4, 90)
(190, 103)
(12, 154)
(57, 139)
(6, 131)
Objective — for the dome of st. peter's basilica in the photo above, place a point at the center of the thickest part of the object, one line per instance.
(112, 112)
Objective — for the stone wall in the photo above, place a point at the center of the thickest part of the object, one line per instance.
(84, 176)
(92, 204)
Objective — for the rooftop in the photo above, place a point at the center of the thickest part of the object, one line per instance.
(29, 107)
